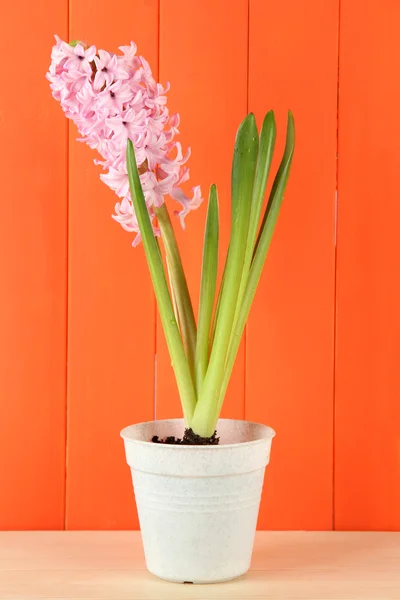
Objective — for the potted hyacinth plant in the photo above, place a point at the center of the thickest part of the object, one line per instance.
(197, 480)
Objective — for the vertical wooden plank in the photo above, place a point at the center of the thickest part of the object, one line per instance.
(111, 306)
(33, 271)
(367, 465)
(209, 90)
(289, 376)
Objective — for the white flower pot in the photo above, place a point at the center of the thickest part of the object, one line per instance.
(198, 505)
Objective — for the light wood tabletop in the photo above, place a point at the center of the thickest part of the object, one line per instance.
(105, 565)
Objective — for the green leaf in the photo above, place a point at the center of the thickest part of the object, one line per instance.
(262, 246)
(265, 154)
(243, 171)
(218, 305)
(207, 287)
(277, 191)
(156, 267)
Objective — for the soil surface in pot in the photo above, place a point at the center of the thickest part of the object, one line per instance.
(189, 439)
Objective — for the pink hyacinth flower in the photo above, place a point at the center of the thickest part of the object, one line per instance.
(112, 98)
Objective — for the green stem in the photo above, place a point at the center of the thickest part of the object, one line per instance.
(179, 285)
(176, 350)
(172, 295)
(207, 288)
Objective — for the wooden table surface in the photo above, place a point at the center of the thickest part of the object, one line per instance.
(106, 565)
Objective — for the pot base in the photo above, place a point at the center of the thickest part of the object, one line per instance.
(225, 580)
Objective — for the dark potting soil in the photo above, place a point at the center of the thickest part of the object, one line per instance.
(189, 439)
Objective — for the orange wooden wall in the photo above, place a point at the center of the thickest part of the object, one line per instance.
(82, 350)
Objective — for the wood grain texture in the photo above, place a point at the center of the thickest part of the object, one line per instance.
(111, 305)
(286, 565)
(367, 465)
(290, 335)
(33, 271)
(209, 90)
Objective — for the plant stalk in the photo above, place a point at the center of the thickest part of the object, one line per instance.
(179, 285)
(175, 346)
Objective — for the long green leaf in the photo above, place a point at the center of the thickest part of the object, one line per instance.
(179, 285)
(243, 171)
(154, 260)
(262, 246)
(265, 154)
(207, 287)
(218, 305)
